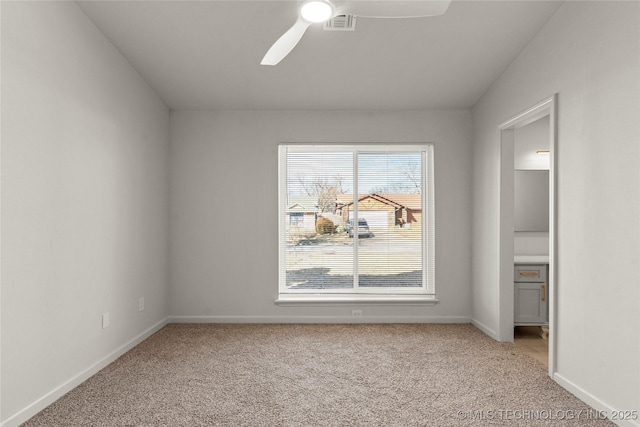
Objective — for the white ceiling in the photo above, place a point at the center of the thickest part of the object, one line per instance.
(206, 54)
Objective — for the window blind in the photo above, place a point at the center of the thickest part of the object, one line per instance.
(356, 219)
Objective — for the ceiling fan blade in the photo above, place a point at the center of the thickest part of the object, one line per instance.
(285, 43)
(393, 8)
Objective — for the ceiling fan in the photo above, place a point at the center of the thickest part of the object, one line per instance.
(319, 11)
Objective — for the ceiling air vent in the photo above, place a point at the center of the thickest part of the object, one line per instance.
(341, 23)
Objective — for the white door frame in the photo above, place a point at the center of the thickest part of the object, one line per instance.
(544, 108)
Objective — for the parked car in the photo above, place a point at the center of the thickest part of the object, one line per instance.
(363, 228)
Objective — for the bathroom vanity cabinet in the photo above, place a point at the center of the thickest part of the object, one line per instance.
(531, 295)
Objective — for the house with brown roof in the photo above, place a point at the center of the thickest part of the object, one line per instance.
(384, 211)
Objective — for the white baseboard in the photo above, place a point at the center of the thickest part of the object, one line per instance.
(593, 401)
(484, 328)
(318, 319)
(46, 400)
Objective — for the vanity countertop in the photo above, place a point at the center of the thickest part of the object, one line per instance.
(531, 259)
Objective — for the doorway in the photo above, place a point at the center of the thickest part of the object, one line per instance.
(545, 108)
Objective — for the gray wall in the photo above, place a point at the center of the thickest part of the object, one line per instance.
(84, 203)
(224, 168)
(588, 53)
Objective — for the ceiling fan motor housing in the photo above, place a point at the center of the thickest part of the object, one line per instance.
(340, 23)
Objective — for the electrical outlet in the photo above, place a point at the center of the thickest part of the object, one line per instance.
(141, 304)
(356, 313)
(105, 320)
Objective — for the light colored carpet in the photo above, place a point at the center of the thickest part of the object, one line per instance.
(319, 375)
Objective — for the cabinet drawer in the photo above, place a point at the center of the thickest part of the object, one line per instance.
(530, 273)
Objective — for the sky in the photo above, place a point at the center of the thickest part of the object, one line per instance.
(386, 172)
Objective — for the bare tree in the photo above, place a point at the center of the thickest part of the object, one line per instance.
(326, 189)
(409, 184)
(414, 174)
(327, 197)
(305, 185)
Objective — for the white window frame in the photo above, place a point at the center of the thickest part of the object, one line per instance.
(424, 294)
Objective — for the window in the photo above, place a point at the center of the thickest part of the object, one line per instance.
(296, 219)
(387, 252)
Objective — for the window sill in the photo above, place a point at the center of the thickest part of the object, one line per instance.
(337, 299)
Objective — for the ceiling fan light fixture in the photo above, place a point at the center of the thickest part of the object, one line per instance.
(322, 11)
(316, 11)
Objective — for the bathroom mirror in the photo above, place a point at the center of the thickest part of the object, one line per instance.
(531, 200)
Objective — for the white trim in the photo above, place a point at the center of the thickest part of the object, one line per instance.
(366, 291)
(428, 218)
(337, 299)
(530, 115)
(592, 400)
(364, 147)
(552, 280)
(55, 394)
(282, 203)
(484, 328)
(429, 223)
(318, 319)
(505, 247)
